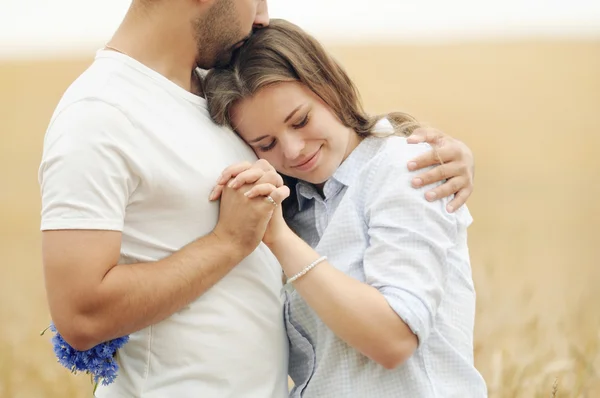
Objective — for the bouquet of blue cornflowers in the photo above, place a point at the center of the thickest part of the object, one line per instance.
(99, 361)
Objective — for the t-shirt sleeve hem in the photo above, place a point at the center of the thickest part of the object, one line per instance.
(60, 224)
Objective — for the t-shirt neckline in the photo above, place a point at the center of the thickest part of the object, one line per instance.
(154, 75)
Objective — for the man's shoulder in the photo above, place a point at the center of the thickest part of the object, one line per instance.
(104, 96)
(91, 108)
(99, 83)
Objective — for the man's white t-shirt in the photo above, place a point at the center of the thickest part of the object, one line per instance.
(129, 150)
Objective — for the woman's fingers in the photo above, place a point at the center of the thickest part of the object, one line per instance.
(280, 194)
(232, 171)
(246, 173)
(260, 190)
(259, 173)
(277, 194)
(249, 176)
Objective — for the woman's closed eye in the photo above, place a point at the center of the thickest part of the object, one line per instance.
(302, 122)
(266, 148)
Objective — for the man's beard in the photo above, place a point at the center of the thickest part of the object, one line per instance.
(224, 58)
(216, 44)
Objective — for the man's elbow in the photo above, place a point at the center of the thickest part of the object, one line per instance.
(79, 341)
(78, 333)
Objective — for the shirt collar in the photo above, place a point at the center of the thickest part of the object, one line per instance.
(305, 192)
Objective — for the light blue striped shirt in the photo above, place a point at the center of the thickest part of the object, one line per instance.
(375, 227)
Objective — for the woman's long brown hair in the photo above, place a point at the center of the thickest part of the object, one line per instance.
(283, 52)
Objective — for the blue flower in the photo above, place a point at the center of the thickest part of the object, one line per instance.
(98, 361)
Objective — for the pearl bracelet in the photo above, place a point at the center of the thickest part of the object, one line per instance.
(305, 270)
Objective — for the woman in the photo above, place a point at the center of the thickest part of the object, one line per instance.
(379, 296)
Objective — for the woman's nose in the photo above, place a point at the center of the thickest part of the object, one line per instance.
(292, 147)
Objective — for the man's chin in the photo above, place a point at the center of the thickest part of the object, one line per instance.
(221, 62)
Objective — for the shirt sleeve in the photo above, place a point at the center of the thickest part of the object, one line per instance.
(409, 238)
(85, 175)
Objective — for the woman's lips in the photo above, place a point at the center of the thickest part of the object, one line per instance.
(309, 163)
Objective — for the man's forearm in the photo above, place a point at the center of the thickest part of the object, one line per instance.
(134, 296)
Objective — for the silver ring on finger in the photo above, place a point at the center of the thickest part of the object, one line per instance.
(271, 200)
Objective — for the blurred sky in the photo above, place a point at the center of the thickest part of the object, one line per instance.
(32, 28)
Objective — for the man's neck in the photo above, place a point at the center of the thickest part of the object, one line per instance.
(160, 41)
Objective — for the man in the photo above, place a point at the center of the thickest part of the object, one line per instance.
(131, 243)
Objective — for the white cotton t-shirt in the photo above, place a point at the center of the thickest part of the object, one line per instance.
(129, 150)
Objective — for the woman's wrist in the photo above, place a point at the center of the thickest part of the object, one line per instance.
(292, 252)
(280, 238)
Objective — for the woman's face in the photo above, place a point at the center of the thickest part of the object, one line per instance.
(292, 128)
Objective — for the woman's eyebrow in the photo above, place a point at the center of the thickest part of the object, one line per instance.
(262, 137)
(292, 113)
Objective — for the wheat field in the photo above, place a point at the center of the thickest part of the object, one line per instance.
(531, 113)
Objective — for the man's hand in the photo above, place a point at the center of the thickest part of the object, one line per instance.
(256, 182)
(245, 215)
(455, 165)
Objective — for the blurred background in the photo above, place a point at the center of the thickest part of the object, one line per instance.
(518, 81)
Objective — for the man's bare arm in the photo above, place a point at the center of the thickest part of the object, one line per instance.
(92, 299)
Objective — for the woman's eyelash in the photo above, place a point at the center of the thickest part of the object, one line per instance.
(302, 123)
(268, 147)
